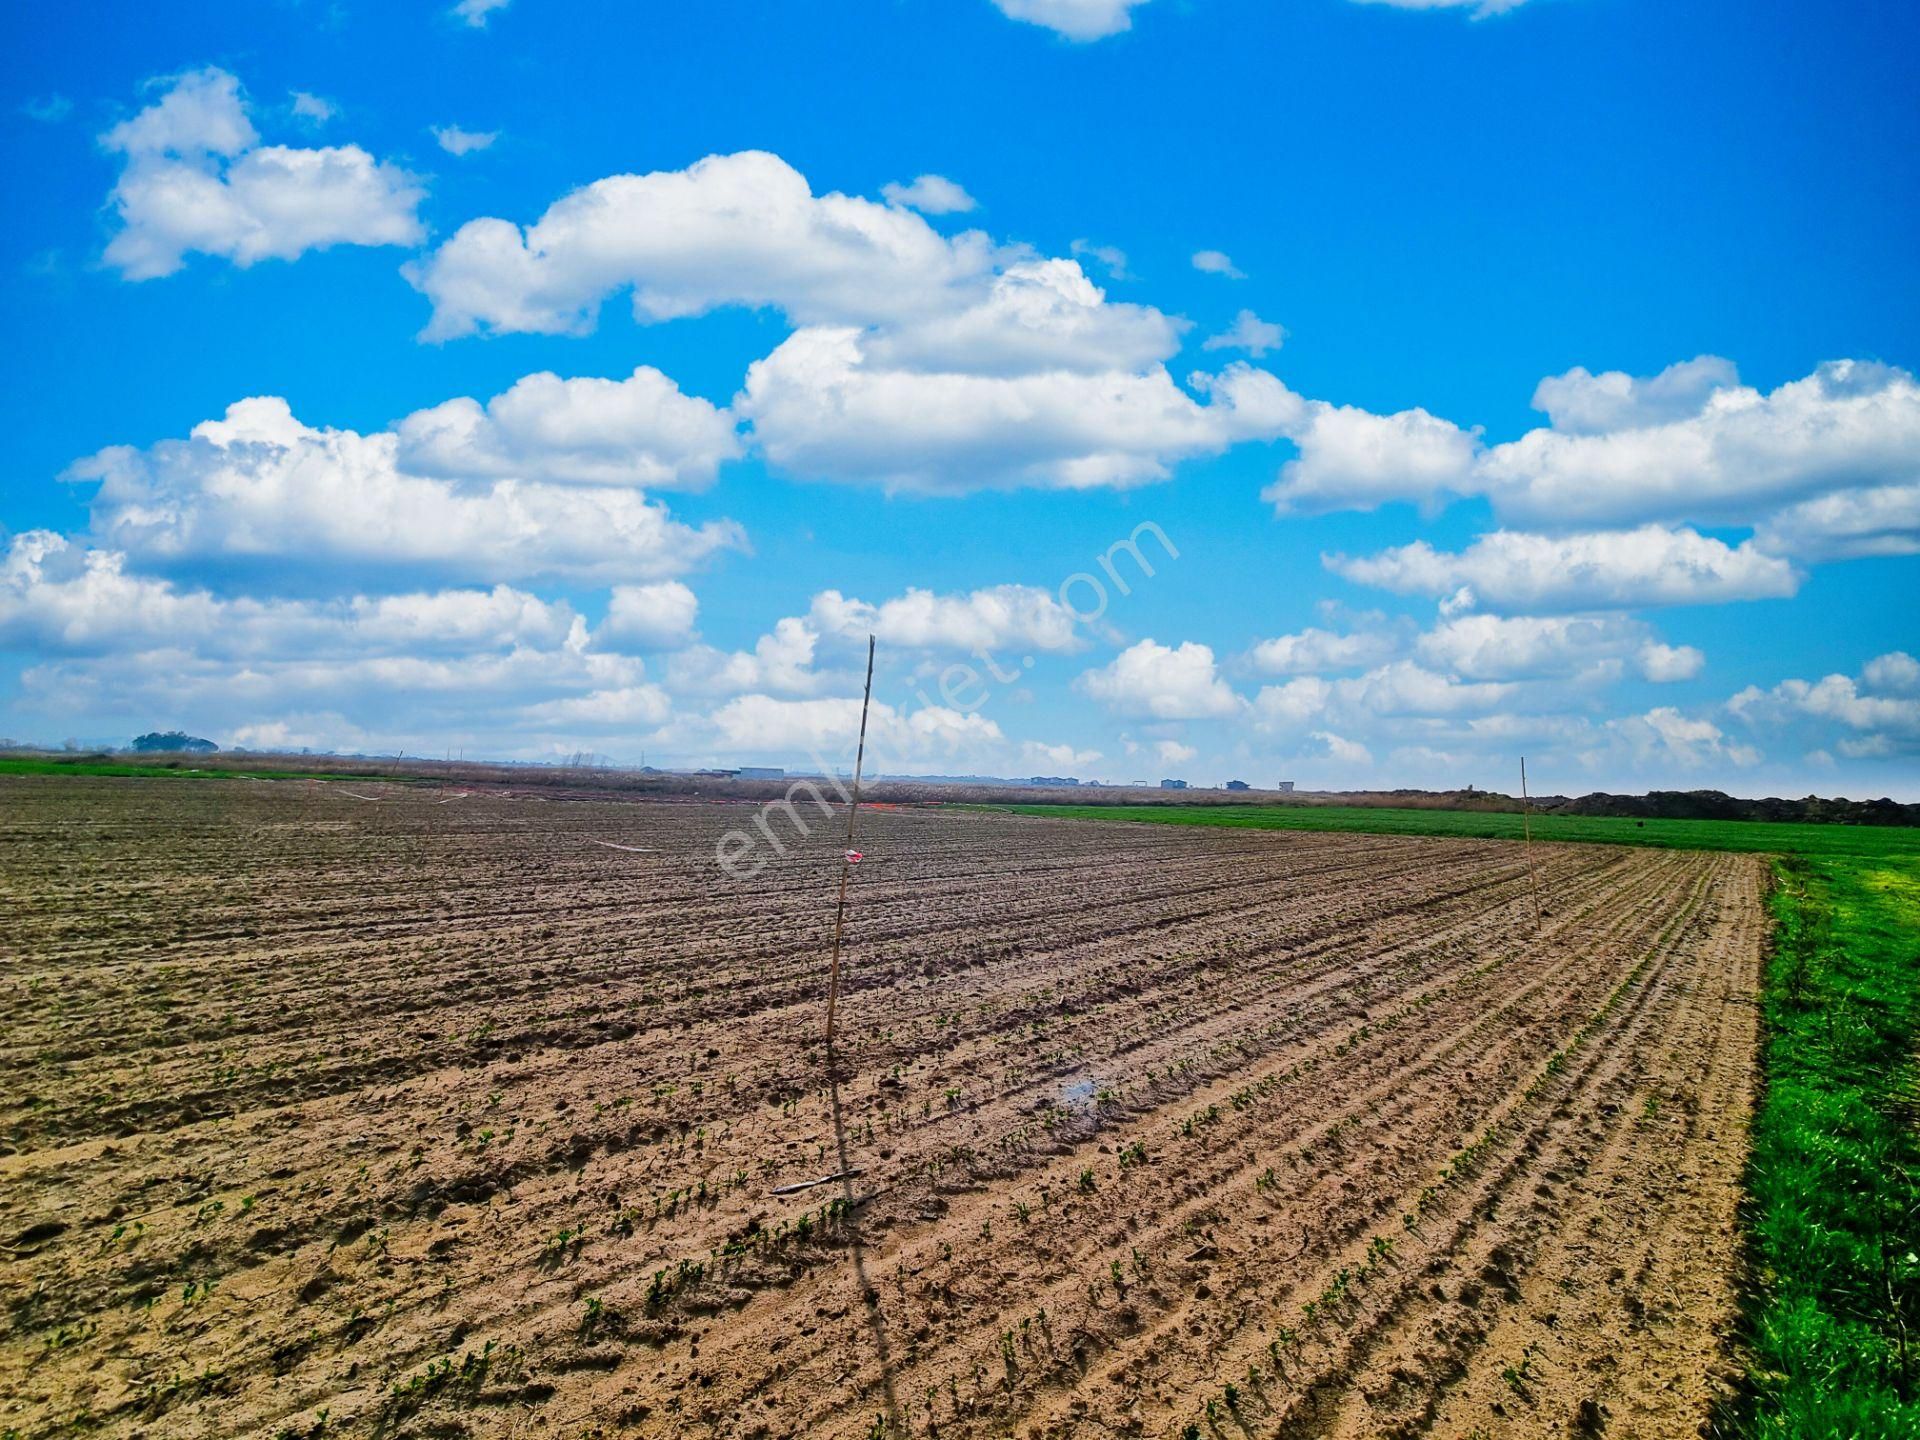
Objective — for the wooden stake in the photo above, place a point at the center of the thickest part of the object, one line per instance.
(846, 860)
(1526, 827)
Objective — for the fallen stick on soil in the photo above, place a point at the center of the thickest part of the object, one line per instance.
(636, 849)
(809, 1184)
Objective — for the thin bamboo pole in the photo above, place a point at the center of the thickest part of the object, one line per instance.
(846, 860)
(1526, 828)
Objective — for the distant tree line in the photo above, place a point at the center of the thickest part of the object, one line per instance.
(1716, 805)
(174, 742)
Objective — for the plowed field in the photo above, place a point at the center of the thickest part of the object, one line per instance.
(360, 1110)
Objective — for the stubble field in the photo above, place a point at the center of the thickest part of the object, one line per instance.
(349, 1109)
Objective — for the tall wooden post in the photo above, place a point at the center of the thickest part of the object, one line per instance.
(1526, 828)
(846, 860)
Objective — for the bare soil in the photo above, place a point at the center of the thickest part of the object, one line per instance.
(380, 1111)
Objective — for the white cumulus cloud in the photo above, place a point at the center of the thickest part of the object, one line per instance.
(456, 141)
(1080, 20)
(1249, 333)
(1313, 650)
(1896, 672)
(61, 597)
(930, 195)
(742, 229)
(1662, 663)
(640, 431)
(1664, 736)
(314, 108)
(477, 665)
(1034, 317)
(476, 13)
(1842, 525)
(1691, 443)
(918, 363)
(259, 484)
(1494, 647)
(196, 180)
(997, 619)
(648, 617)
(1823, 466)
(1609, 569)
(1217, 262)
(1480, 8)
(764, 725)
(1162, 682)
(1582, 403)
(624, 708)
(1840, 699)
(1353, 459)
(819, 409)
(1341, 750)
(1063, 758)
(1110, 258)
(781, 661)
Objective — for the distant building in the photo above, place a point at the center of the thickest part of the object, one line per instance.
(1052, 781)
(1238, 785)
(762, 772)
(1286, 787)
(1173, 784)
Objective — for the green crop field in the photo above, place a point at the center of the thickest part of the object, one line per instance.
(135, 770)
(1760, 836)
(42, 765)
(1833, 1182)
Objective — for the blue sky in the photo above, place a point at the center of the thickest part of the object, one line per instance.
(1531, 381)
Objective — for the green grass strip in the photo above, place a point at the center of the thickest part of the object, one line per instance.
(1834, 1176)
(1755, 836)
